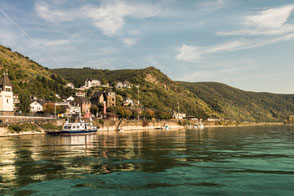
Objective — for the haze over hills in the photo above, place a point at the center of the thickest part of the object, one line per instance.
(157, 91)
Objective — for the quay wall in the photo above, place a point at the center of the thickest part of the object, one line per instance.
(9, 120)
(112, 125)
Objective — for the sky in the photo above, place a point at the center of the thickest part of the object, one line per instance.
(245, 44)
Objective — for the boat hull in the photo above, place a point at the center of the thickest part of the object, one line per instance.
(67, 133)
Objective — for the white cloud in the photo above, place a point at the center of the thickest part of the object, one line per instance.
(268, 26)
(110, 18)
(212, 5)
(44, 12)
(189, 53)
(270, 18)
(53, 43)
(267, 22)
(130, 41)
(224, 72)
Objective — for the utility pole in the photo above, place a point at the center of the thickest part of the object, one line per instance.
(138, 104)
(55, 110)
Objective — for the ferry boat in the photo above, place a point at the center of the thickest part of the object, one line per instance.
(80, 128)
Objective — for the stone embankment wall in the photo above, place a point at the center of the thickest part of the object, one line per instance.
(8, 120)
(111, 125)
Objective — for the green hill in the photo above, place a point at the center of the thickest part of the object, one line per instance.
(157, 91)
(30, 78)
(242, 105)
(205, 99)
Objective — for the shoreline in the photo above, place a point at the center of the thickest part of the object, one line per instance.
(4, 131)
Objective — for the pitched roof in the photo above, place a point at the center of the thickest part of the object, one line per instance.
(5, 81)
(80, 100)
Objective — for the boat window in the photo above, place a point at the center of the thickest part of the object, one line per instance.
(74, 127)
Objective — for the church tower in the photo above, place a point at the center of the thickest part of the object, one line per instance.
(6, 96)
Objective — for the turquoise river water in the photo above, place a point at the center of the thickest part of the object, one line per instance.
(212, 161)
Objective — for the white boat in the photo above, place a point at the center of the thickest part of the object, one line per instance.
(80, 128)
(165, 127)
(200, 126)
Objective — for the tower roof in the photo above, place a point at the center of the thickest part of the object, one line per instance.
(5, 81)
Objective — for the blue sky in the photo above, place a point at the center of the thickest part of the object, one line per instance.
(245, 44)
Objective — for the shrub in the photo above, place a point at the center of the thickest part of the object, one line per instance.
(15, 128)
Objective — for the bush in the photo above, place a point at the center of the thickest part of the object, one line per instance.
(15, 128)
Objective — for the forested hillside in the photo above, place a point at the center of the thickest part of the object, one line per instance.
(199, 99)
(30, 78)
(234, 103)
(156, 90)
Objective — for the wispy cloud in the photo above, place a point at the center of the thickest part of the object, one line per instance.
(270, 18)
(129, 41)
(212, 5)
(110, 17)
(266, 22)
(52, 15)
(224, 72)
(268, 26)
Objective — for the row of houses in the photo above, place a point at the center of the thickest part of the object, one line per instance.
(75, 105)
(97, 83)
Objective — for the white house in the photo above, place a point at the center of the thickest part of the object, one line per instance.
(36, 106)
(70, 99)
(70, 85)
(128, 101)
(73, 109)
(177, 115)
(95, 83)
(6, 96)
(91, 83)
(127, 84)
(119, 85)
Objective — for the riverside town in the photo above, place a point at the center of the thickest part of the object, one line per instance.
(147, 98)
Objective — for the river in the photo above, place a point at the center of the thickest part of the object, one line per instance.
(212, 161)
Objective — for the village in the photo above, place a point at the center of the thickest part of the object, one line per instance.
(102, 103)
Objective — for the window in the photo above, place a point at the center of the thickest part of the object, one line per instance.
(7, 100)
(8, 89)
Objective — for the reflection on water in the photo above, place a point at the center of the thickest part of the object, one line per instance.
(222, 161)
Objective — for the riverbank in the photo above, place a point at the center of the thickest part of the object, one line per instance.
(246, 124)
(128, 125)
(4, 131)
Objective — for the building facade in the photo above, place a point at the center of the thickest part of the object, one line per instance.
(36, 107)
(6, 96)
(83, 103)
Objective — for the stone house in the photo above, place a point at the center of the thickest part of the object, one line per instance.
(82, 102)
(99, 97)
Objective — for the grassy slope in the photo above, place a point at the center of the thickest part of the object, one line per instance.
(28, 77)
(214, 99)
(157, 91)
